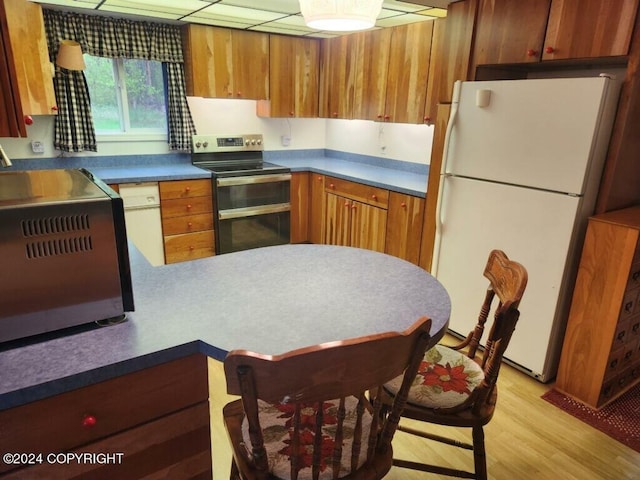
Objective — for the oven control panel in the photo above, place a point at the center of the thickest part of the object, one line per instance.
(227, 143)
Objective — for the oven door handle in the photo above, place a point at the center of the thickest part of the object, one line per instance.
(253, 211)
(251, 179)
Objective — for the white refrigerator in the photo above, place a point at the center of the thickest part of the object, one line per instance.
(521, 169)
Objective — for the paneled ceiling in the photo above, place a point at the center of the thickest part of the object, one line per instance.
(273, 16)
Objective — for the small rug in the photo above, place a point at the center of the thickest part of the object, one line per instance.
(620, 419)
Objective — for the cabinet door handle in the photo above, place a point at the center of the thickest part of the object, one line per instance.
(532, 53)
(549, 50)
(89, 421)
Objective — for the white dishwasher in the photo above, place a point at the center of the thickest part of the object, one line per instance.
(142, 215)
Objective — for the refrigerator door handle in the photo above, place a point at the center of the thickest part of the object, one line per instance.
(443, 168)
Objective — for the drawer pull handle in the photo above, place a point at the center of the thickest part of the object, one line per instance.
(189, 207)
(191, 247)
(374, 197)
(189, 224)
(89, 421)
(188, 189)
(331, 185)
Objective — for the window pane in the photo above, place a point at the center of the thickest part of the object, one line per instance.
(145, 94)
(102, 89)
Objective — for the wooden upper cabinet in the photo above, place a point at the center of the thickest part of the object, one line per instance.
(26, 38)
(338, 65)
(510, 32)
(589, 28)
(293, 76)
(408, 72)
(435, 67)
(250, 52)
(523, 32)
(378, 74)
(455, 55)
(226, 63)
(372, 67)
(11, 124)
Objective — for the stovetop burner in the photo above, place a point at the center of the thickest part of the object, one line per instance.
(232, 155)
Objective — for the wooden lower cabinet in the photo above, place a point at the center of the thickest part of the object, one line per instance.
(600, 357)
(404, 226)
(316, 208)
(186, 208)
(355, 214)
(153, 423)
(300, 207)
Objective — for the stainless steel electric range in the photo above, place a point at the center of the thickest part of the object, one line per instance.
(250, 196)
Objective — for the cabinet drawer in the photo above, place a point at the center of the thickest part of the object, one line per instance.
(185, 206)
(185, 189)
(378, 197)
(189, 246)
(56, 424)
(187, 224)
(174, 446)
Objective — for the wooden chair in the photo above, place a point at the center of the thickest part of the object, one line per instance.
(286, 400)
(455, 388)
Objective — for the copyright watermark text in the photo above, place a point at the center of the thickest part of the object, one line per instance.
(66, 458)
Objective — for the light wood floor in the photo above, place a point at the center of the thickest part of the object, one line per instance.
(528, 438)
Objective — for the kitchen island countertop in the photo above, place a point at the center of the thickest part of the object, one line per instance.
(216, 304)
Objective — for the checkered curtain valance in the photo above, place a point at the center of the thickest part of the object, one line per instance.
(114, 38)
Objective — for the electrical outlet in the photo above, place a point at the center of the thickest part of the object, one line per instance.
(286, 140)
(37, 146)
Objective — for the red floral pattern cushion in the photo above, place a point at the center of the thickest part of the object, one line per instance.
(277, 429)
(445, 379)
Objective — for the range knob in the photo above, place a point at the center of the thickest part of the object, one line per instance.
(259, 142)
(205, 144)
(247, 142)
(253, 142)
(198, 144)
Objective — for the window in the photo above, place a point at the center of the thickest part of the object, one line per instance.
(127, 95)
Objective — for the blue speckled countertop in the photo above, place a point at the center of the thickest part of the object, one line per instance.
(269, 300)
(397, 180)
(403, 177)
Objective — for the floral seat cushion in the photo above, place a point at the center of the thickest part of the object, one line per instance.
(445, 379)
(277, 429)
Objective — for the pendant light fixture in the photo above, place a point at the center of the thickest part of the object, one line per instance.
(340, 15)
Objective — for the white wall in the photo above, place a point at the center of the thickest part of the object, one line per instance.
(42, 130)
(397, 141)
(410, 143)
